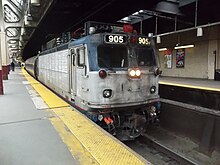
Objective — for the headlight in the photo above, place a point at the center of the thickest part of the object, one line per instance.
(152, 89)
(107, 93)
(134, 72)
(138, 72)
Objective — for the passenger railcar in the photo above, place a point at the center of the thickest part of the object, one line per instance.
(110, 74)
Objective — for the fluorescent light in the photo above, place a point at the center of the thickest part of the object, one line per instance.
(12, 41)
(35, 2)
(126, 19)
(22, 31)
(199, 32)
(136, 13)
(162, 49)
(158, 39)
(185, 46)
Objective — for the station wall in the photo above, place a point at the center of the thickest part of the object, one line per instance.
(201, 61)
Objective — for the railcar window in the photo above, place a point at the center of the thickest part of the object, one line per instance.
(81, 56)
(73, 56)
(145, 56)
(112, 56)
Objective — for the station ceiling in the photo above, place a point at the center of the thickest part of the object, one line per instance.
(69, 15)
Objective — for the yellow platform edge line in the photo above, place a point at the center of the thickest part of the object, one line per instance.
(102, 146)
(190, 86)
(116, 153)
(74, 145)
(51, 99)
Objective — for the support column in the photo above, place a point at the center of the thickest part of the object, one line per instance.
(5, 64)
(1, 77)
(213, 47)
(1, 82)
(1, 30)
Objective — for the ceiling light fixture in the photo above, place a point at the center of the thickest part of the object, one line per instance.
(168, 6)
(35, 2)
(158, 40)
(199, 32)
(27, 19)
(162, 49)
(185, 46)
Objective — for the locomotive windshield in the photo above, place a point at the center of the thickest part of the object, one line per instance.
(145, 56)
(112, 56)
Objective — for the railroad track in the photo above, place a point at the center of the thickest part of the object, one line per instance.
(168, 155)
(158, 153)
(176, 141)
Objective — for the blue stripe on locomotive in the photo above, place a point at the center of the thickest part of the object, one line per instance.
(92, 41)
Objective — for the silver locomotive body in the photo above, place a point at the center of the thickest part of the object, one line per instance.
(112, 78)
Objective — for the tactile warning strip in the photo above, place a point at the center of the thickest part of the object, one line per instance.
(49, 97)
(103, 147)
(30, 79)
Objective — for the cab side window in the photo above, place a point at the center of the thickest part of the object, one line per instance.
(81, 56)
(73, 56)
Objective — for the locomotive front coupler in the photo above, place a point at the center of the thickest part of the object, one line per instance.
(152, 112)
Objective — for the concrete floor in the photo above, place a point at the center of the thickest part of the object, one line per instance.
(26, 135)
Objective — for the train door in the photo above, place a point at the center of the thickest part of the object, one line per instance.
(82, 73)
(78, 73)
(36, 68)
(72, 75)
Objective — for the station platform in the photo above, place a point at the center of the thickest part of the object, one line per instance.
(194, 83)
(37, 127)
(198, 92)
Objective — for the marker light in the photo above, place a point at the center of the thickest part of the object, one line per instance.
(127, 28)
(134, 72)
(133, 39)
(157, 71)
(102, 74)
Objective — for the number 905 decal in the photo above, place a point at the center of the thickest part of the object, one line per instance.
(143, 41)
(113, 38)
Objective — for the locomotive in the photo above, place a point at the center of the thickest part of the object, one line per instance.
(110, 74)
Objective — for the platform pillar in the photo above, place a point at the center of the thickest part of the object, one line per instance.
(1, 31)
(1, 75)
(212, 49)
(1, 81)
(4, 55)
